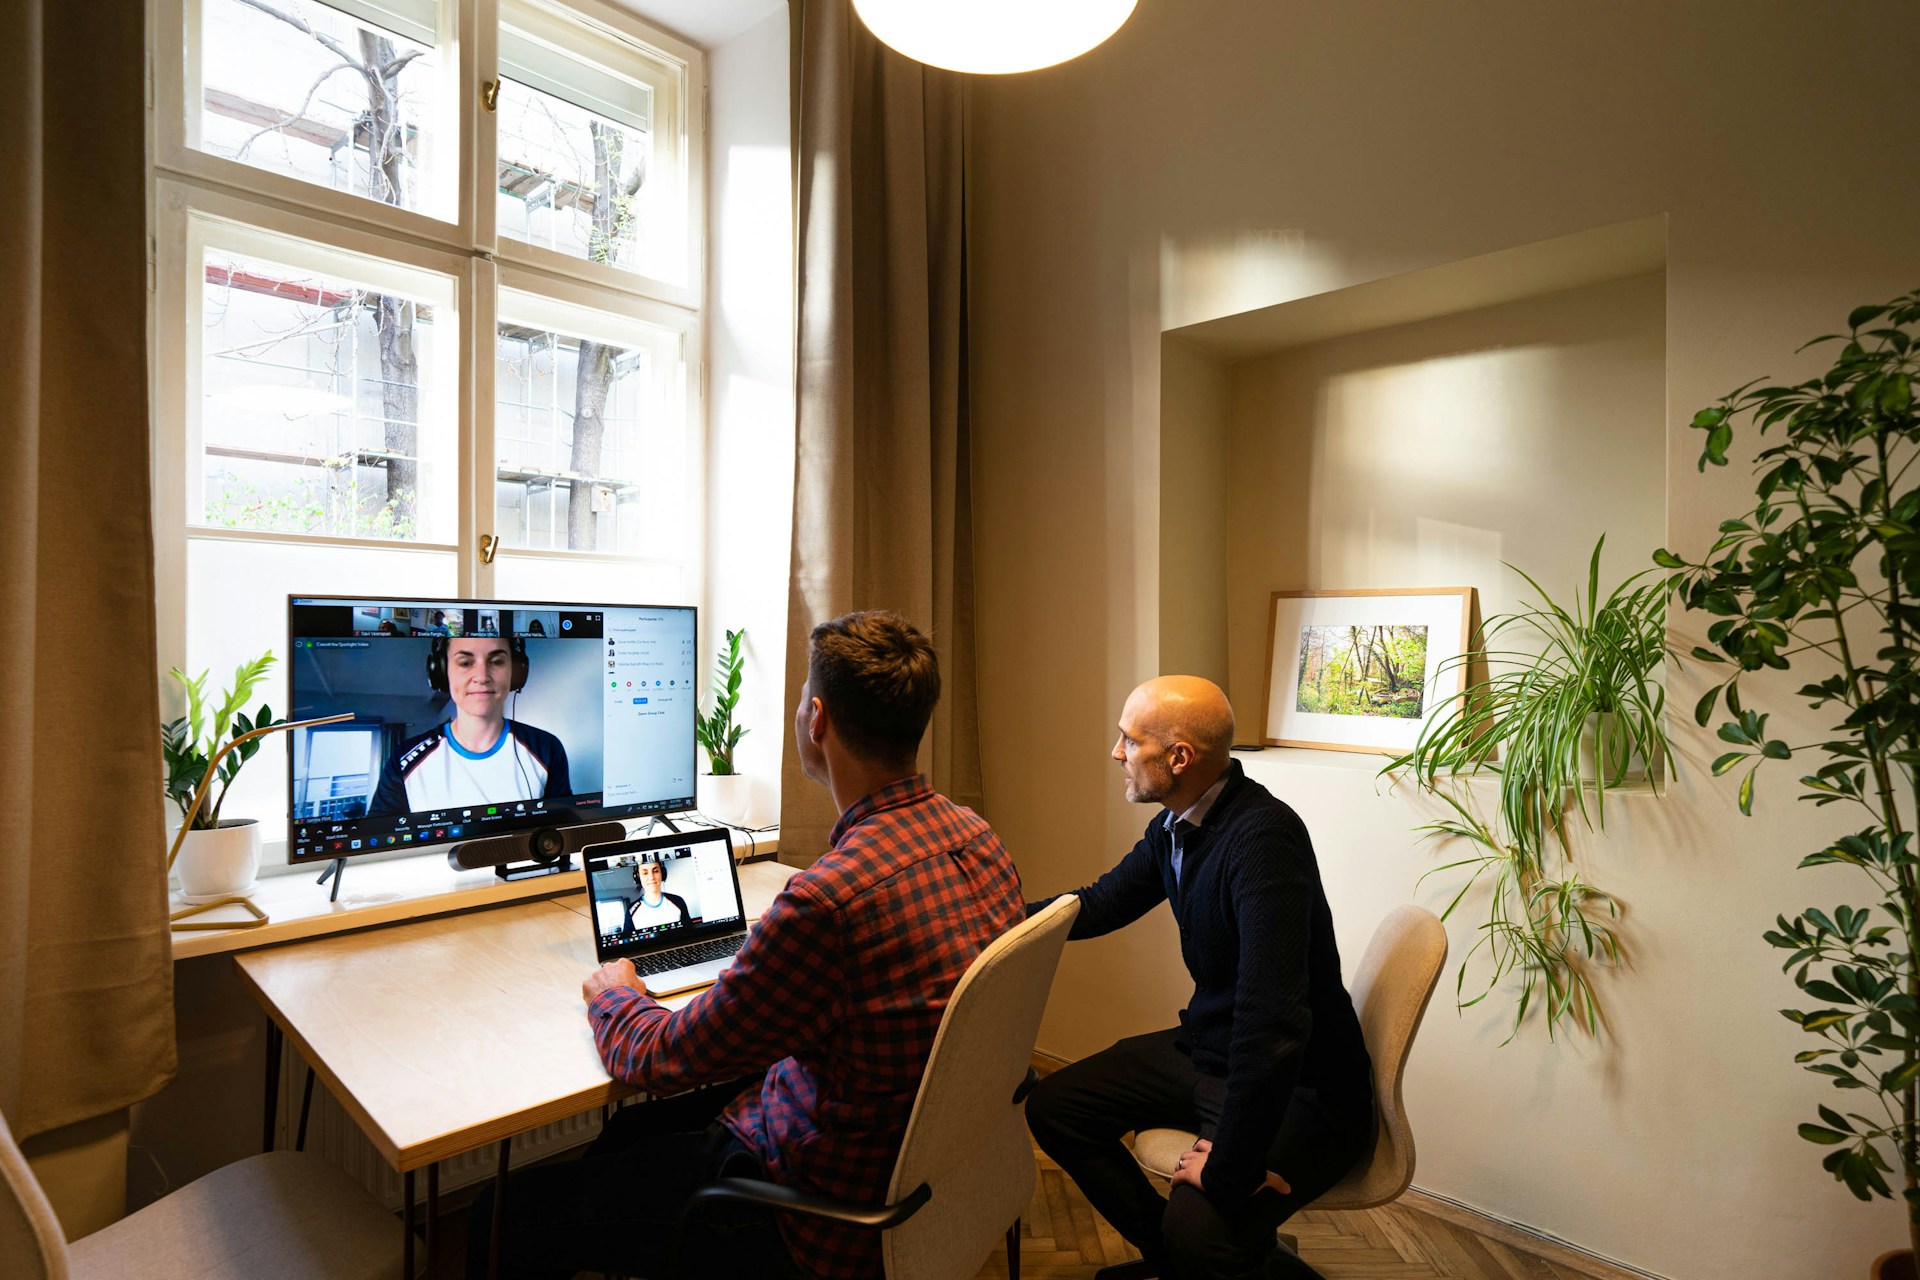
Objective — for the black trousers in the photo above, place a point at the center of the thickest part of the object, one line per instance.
(1079, 1113)
(615, 1209)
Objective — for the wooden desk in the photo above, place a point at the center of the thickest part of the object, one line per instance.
(380, 893)
(442, 1036)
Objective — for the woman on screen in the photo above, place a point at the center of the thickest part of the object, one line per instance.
(480, 755)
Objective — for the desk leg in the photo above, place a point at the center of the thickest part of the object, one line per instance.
(433, 1219)
(406, 1224)
(306, 1109)
(499, 1208)
(270, 1112)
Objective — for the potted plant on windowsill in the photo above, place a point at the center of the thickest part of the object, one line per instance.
(1561, 706)
(1825, 569)
(217, 856)
(723, 791)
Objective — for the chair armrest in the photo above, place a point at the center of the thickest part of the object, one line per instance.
(1026, 1086)
(773, 1196)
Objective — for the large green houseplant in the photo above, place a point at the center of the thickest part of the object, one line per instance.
(1559, 700)
(1825, 570)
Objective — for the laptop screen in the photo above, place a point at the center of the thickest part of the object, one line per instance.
(662, 891)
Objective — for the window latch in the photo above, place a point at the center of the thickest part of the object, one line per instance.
(489, 544)
(490, 95)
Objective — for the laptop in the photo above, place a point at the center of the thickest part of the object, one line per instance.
(669, 903)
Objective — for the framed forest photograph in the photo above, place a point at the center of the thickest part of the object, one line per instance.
(1354, 670)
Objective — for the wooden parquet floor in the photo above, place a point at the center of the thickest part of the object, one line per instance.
(1063, 1239)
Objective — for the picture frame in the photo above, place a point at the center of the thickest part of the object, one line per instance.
(1340, 665)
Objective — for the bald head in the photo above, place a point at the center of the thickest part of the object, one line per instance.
(1187, 709)
(1175, 733)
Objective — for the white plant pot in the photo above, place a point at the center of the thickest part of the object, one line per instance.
(724, 797)
(220, 862)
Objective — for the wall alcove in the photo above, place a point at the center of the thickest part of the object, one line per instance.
(1414, 431)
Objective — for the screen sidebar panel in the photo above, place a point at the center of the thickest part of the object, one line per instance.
(651, 703)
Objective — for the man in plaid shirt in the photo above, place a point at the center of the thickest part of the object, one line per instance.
(812, 1044)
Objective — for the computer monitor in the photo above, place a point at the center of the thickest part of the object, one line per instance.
(474, 719)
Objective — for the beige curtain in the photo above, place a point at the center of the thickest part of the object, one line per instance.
(882, 505)
(86, 978)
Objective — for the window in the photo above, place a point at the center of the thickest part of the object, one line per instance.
(425, 272)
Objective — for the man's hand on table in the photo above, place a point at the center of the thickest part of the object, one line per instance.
(1191, 1163)
(615, 973)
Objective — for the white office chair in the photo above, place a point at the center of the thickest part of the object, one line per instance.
(1390, 992)
(966, 1154)
(283, 1214)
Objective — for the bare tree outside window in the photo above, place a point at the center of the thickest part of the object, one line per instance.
(615, 173)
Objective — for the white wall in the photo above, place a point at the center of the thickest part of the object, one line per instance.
(750, 385)
(1219, 155)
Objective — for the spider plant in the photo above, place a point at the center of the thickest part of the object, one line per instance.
(1557, 700)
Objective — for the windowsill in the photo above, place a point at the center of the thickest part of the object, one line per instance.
(407, 887)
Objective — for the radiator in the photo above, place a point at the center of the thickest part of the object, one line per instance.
(333, 1134)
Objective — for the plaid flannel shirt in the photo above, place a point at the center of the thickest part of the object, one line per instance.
(837, 996)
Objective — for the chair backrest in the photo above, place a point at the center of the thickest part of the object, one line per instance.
(32, 1245)
(967, 1138)
(1390, 992)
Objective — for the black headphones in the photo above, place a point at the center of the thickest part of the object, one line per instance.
(437, 662)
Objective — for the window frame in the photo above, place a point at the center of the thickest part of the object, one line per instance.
(607, 23)
(185, 183)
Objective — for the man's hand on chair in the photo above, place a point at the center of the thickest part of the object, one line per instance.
(1192, 1163)
(615, 973)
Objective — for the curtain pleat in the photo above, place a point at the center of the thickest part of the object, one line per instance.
(882, 514)
(86, 974)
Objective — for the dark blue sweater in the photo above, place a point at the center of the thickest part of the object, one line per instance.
(1269, 1011)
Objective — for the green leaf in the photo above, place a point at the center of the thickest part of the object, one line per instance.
(1703, 710)
(1835, 1119)
(1897, 1080)
(1746, 794)
(1825, 1137)
(1727, 761)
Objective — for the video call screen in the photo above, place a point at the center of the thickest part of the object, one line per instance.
(473, 719)
(641, 896)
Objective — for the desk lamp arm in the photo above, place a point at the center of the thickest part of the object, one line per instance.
(213, 771)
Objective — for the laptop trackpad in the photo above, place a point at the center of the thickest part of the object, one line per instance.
(674, 981)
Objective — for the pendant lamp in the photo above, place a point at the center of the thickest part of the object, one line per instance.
(993, 36)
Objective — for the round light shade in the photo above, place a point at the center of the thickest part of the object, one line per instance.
(993, 36)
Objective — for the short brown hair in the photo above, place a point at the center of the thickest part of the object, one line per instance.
(879, 678)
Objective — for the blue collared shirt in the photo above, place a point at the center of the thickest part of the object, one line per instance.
(1195, 815)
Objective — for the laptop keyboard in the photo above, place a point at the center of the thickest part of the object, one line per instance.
(682, 957)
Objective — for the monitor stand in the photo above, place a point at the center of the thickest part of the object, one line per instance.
(337, 870)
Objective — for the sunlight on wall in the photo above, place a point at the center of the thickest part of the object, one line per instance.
(1447, 554)
(750, 390)
(754, 218)
(1448, 424)
(1242, 271)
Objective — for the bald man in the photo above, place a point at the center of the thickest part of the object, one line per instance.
(1267, 1064)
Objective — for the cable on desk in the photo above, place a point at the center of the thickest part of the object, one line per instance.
(753, 845)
